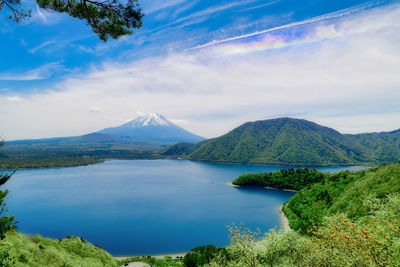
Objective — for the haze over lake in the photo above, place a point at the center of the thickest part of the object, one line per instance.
(140, 207)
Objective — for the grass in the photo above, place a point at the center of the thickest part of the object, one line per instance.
(27, 250)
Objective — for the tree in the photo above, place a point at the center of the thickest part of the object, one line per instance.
(6, 222)
(108, 18)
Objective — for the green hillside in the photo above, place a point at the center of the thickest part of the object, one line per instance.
(344, 192)
(297, 142)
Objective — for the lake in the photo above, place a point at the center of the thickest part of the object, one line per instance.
(143, 207)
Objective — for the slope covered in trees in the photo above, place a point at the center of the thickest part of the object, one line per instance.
(344, 192)
(298, 142)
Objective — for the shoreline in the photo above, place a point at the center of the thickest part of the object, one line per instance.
(266, 187)
(102, 160)
(233, 185)
(283, 220)
(273, 188)
(157, 256)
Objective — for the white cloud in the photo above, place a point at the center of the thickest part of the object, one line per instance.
(14, 99)
(349, 82)
(94, 109)
(178, 121)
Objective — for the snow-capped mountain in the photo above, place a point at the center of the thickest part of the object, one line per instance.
(150, 128)
(150, 119)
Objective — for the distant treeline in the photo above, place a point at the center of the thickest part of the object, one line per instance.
(293, 179)
(27, 157)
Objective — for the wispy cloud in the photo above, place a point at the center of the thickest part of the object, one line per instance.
(42, 72)
(42, 16)
(153, 6)
(184, 8)
(262, 5)
(330, 16)
(202, 15)
(40, 46)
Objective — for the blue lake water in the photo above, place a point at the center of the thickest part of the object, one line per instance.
(142, 207)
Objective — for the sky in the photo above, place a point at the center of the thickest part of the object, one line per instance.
(206, 65)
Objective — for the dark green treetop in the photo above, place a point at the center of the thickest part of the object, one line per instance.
(108, 18)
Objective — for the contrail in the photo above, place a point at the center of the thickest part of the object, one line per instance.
(333, 15)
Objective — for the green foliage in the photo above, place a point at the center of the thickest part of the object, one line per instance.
(6, 222)
(372, 240)
(180, 149)
(243, 249)
(6, 259)
(275, 249)
(202, 255)
(298, 142)
(17, 12)
(39, 251)
(283, 249)
(106, 18)
(343, 192)
(294, 179)
(109, 18)
(166, 262)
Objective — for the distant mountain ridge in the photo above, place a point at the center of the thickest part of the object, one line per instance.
(283, 141)
(150, 128)
(140, 138)
(293, 142)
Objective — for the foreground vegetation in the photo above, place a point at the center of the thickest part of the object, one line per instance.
(23, 250)
(339, 241)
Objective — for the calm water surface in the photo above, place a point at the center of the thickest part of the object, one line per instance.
(143, 206)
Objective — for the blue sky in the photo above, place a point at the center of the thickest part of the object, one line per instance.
(207, 65)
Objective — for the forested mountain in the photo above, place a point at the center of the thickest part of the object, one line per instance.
(295, 142)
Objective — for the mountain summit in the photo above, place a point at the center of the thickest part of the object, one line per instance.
(151, 128)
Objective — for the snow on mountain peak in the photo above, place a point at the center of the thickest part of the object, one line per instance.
(150, 119)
